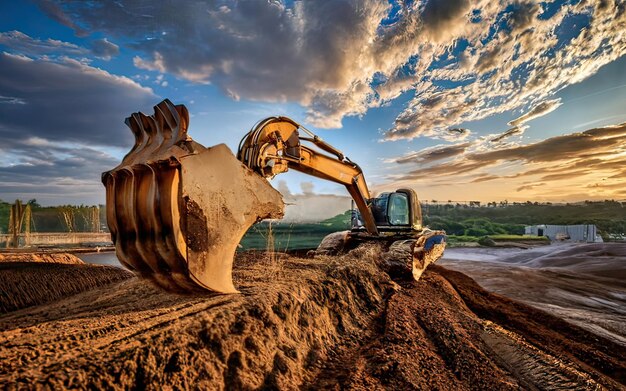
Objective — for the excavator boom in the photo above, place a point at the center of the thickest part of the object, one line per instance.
(274, 145)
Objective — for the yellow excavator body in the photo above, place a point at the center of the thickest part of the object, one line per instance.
(177, 210)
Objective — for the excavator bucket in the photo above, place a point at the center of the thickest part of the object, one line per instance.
(177, 210)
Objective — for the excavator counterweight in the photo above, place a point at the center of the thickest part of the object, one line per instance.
(177, 210)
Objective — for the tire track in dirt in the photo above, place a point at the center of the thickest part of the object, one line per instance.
(534, 369)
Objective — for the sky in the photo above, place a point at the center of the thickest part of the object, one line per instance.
(460, 100)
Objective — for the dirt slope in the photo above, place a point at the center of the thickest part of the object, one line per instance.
(39, 257)
(333, 323)
(42, 278)
(582, 283)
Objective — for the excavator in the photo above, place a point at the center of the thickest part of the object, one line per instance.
(177, 210)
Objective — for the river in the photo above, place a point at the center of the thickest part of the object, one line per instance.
(100, 258)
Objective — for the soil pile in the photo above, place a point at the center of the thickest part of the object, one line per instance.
(33, 279)
(65, 258)
(329, 322)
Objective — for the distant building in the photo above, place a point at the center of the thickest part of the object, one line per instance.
(575, 233)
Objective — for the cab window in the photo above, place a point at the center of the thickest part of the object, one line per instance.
(398, 211)
(379, 207)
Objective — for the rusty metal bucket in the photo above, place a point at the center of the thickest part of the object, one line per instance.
(177, 210)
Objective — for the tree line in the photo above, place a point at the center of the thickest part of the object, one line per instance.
(608, 216)
(61, 218)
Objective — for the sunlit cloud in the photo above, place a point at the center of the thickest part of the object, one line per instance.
(552, 168)
(541, 109)
(432, 154)
(463, 61)
(16, 41)
(529, 186)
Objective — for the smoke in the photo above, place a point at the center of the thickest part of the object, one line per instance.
(310, 206)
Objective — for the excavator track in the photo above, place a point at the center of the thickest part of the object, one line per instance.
(177, 210)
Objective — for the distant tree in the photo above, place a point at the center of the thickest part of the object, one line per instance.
(33, 203)
(476, 232)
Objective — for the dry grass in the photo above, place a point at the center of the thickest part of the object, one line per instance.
(272, 260)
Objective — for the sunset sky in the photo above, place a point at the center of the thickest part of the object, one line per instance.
(460, 100)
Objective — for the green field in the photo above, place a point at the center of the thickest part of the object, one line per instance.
(292, 236)
(517, 237)
(491, 240)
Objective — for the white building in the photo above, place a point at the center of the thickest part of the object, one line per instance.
(575, 233)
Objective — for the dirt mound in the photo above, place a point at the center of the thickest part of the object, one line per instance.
(25, 284)
(329, 322)
(284, 325)
(65, 258)
(446, 332)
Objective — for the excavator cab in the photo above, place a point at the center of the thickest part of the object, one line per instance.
(397, 211)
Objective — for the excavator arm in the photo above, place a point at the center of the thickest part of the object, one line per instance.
(274, 145)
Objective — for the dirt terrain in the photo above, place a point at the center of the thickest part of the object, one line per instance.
(583, 283)
(323, 323)
(40, 257)
(28, 279)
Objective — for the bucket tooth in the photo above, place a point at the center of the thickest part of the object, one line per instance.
(177, 210)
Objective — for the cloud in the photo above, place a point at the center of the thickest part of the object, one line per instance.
(11, 100)
(26, 45)
(539, 110)
(307, 188)
(516, 130)
(506, 68)
(463, 60)
(310, 206)
(56, 13)
(443, 18)
(22, 44)
(460, 133)
(484, 178)
(67, 101)
(529, 186)
(57, 122)
(45, 170)
(438, 152)
(104, 49)
(560, 165)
